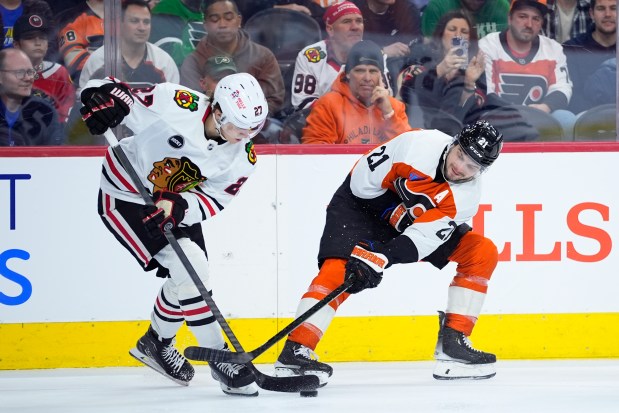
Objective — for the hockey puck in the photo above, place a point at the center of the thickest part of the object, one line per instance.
(309, 393)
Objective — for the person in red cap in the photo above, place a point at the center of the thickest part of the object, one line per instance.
(318, 65)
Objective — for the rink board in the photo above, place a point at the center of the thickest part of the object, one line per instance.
(67, 288)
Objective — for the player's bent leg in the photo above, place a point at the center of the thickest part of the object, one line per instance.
(159, 354)
(298, 356)
(456, 357)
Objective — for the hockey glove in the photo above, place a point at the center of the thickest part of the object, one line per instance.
(168, 212)
(400, 218)
(365, 267)
(105, 106)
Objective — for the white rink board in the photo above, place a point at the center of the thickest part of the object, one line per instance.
(263, 247)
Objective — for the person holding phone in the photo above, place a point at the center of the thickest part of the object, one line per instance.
(359, 108)
(446, 73)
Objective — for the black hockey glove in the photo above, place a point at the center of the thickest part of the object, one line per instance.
(365, 267)
(105, 106)
(400, 218)
(168, 212)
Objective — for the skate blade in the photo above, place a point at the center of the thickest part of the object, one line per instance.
(289, 372)
(452, 370)
(143, 358)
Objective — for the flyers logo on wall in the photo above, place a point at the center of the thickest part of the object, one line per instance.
(314, 54)
(186, 100)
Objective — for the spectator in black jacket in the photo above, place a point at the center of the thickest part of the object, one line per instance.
(25, 120)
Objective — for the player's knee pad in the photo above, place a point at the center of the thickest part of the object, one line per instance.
(178, 273)
(330, 276)
(476, 255)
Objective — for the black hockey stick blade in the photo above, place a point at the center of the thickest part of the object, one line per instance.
(293, 384)
(224, 356)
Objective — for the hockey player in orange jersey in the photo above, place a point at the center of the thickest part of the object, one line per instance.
(405, 201)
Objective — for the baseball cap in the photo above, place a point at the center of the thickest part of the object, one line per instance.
(540, 5)
(365, 52)
(335, 11)
(30, 23)
(218, 67)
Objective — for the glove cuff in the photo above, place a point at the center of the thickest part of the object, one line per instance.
(374, 260)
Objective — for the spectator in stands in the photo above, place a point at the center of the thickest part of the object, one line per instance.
(31, 34)
(319, 64)
(177, 27)
(395, 25)
(10, 11)
(25, 120)
(489, 16)
(601, 86)
(440, 76)
(142, 62)
(586, 52)
(567, 19)
(526, 68)
(358, 109)
(225, 36)
(81, 33)
(215, 69)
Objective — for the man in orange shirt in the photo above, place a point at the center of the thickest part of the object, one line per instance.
(358, 109)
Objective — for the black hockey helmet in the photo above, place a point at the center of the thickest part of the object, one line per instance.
(481, 141)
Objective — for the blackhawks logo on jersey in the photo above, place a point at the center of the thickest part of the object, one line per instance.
(251, 153)
(176, 175)
(314, 54)
(186, 100)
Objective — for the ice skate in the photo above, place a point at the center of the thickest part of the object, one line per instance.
(457, 359)
(234, 379)
(298, 360)
(160, 355)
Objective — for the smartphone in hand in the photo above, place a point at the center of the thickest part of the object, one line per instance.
(462, 49)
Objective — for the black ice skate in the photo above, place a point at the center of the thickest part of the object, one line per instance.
(298, 360)
(234, 379)
(457, 359)
(160, 355)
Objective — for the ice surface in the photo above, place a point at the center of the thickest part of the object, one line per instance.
(564, 386)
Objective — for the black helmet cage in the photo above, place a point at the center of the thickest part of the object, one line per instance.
(481, 141)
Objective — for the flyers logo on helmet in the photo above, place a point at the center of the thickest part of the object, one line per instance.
(186, 100)
(314, 54)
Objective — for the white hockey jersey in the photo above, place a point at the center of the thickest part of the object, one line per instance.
(438, 206)
(169, 151)
(315, 71)
(528, 79)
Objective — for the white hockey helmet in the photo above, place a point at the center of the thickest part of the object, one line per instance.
(242, 103)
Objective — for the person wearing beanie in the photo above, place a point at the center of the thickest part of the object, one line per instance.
(31, 34)
(358, 109)
(318, 65)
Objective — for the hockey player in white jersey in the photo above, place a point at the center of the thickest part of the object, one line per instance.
(406, 201)
(193, 155)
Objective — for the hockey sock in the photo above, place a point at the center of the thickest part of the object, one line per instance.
(167, 316)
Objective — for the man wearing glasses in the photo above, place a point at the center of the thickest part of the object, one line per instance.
(25, 120)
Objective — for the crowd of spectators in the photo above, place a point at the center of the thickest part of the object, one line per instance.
(382, 66)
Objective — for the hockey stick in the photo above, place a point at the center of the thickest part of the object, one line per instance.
(218, 356)
(292, 384)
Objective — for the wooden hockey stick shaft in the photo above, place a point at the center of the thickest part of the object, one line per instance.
(264, 381)
(218, 356)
